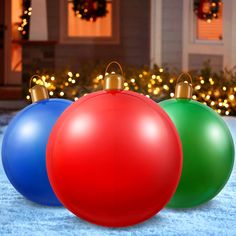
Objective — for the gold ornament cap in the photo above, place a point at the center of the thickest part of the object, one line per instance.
(38, 92)
(114, 81)
(184, 89)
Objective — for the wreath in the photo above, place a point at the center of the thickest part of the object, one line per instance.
(90, 10)
(207, 9)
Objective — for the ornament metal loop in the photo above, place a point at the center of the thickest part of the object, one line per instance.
(35, 76)
(116, 63)
(184, 74)
(184, 89)
(38, 92)
(114, 81)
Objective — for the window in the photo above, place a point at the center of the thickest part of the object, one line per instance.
(210, 30)
(76, 30)
(208, 39)
(77, 27)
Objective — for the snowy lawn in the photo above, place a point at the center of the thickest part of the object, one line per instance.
(21, 217)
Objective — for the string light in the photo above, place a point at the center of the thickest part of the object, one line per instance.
(23, 26)
(148, 82)
(70, 74)
(165, 87)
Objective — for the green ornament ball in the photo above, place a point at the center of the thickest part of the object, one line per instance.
(208, 151)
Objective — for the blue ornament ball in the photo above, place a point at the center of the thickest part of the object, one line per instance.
(24, 149)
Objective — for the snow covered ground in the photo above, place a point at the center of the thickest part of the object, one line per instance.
(21, 217)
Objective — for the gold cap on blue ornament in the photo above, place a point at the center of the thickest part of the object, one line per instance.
(38, 92)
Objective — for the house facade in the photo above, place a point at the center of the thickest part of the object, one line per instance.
(137, 33)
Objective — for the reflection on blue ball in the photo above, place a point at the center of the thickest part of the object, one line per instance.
(24, 149)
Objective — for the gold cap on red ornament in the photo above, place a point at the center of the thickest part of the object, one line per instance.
(114, 81)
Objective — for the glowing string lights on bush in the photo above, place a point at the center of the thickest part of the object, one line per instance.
(217, 93)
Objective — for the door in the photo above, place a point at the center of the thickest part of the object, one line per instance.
(2, 35)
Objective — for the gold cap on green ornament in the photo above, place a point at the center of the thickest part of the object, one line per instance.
(38, 92)
(184, 89)
(113, 80)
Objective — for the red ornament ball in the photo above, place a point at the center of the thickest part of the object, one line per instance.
(114, 158)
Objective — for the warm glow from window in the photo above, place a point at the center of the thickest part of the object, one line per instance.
(212, 30)
(16, 57)
(16, 12)
(77, 27)
(16, 49)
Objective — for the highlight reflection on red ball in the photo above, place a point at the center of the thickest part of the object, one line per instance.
(114, 158)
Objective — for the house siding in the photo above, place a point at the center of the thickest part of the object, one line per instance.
(196, 61)
(133, 47)
(172, 33)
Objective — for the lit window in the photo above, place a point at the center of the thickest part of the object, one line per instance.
(103, 30)
(16, 48)
(78, 27)
(210, 29)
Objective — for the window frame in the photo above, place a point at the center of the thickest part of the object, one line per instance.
(66, 39)
(193, 30)
(207, 47)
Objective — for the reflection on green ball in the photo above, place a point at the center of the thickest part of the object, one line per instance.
(208, 151)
